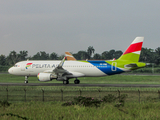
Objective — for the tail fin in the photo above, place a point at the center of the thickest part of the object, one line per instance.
(69, 56)
(133, 51)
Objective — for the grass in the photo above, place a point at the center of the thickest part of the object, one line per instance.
(21, 93)
(107, 111)
(148, 108)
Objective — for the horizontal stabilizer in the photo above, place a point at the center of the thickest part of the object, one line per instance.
(135, 65)
(131, 65)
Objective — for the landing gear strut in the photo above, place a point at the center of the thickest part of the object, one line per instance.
(26, 79)
(76, 81)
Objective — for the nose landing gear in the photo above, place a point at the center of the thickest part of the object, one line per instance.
(26, 79)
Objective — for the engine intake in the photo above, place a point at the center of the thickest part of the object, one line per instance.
(44, 77)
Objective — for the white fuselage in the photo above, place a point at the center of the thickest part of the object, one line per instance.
(79, 69)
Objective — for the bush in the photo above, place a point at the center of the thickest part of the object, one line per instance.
(4, 68)
(110, 98)
(150, 99)
(84, 101)
(68, 103)
(122, 99)
(4, 103)
(90, 102)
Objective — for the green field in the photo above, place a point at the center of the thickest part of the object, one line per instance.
(54, 111)
(143, 106)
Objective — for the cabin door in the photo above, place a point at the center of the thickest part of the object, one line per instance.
(114, 66)
(23, 67)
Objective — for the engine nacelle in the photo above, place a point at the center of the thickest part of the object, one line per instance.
(44, 77)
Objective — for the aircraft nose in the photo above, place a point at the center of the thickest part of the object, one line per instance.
(10, 70)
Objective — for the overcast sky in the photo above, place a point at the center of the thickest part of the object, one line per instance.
(74, 25)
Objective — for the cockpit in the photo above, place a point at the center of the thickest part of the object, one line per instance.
(15, 70)
(16, 65)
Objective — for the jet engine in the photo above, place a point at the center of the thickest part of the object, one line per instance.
(44, 77)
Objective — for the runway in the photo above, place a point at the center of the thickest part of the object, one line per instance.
(79, 85)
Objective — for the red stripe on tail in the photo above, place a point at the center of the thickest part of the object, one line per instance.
(133, 48)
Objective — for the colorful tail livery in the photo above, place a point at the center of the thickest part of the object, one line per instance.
(72, 68)
(133, 51)
(129, 60)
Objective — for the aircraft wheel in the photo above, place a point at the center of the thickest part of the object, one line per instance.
(26, 81)
(76, 81)
(65, 82)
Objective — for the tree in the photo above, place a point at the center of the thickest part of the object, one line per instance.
(157, 50)
(82, 55)
(147, 55)
(157, 59)
(2, 60)
(112, 54)
(61, 57)
(108, 55)
(22, 55)
(97, 56)
(117, 54)
(90, 51)
(53, 56)
(105, 55)
(12, 58)
(36, 56)
(42, 55)
(76, 56)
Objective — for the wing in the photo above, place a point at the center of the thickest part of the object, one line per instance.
(62, 74)
(59, 68)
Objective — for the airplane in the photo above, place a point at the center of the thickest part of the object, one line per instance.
(63, 70)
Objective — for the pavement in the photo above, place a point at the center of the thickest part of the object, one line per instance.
(80, 85)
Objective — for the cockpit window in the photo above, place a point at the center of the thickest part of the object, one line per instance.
(16, 65)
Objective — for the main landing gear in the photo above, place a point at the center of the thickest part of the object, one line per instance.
(26, 79)
(76, 81)
(66, 82)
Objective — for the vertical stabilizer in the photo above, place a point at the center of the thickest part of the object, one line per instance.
(133, 51)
